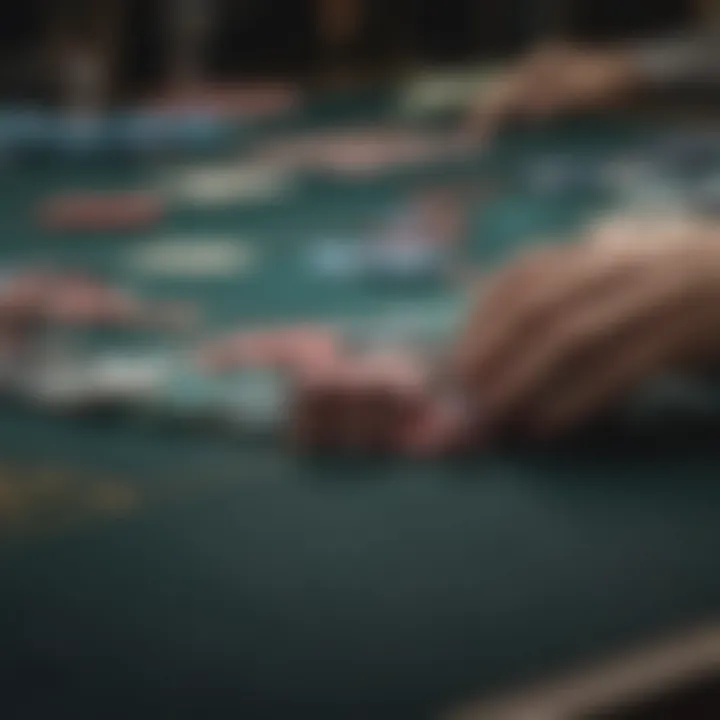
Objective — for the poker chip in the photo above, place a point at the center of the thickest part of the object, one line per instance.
(430, 93)
(125, 377)
(404, 261)
(369, 154)
(187, 393)
(24, 294)
(400, 369)
(176, 316)
(80, 134)
(81, 300)
(336, 260)
(98, 212)
(222, 185)
(292, 348)
(194, 258)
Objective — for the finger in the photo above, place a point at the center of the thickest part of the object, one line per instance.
(397, 387)
(604, 384)
(498, 294)
(351, 408)
(587, 335)
(569, 280)
(359, 411)
(318, 408)
(442, 426)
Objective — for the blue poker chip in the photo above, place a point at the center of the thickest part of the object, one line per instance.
(198, 130)
(78, 135)
(142, 132)
(405, 261)
(337, 260)
(26, 129)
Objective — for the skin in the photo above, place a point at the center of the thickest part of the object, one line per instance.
(562, 334)
(558, 336)
(565, 333)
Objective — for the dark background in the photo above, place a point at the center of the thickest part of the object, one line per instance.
(279, 37)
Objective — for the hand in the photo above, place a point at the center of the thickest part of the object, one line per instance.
(566, 332)
(375, 402)
(553, 80)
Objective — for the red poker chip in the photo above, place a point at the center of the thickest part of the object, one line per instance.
(96, 212)
(26, 294)
(79, 299)
(304, 347)
(237, 351)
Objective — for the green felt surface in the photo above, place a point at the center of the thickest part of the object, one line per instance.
(183, 575)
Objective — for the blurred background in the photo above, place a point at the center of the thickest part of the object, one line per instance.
(133, 48)
(198, 574)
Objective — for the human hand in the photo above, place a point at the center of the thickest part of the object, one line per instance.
(565, 332)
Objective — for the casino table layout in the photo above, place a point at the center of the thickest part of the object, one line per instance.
(150, 573)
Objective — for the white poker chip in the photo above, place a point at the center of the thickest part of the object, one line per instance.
(193, 257)
(124, 376)
(113, 378)
(259, 182)
(185, 391)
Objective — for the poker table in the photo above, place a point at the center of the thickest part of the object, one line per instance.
(149, 573)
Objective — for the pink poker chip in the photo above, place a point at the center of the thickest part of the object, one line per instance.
(74, 301)
(293, 348)
(26, 294)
